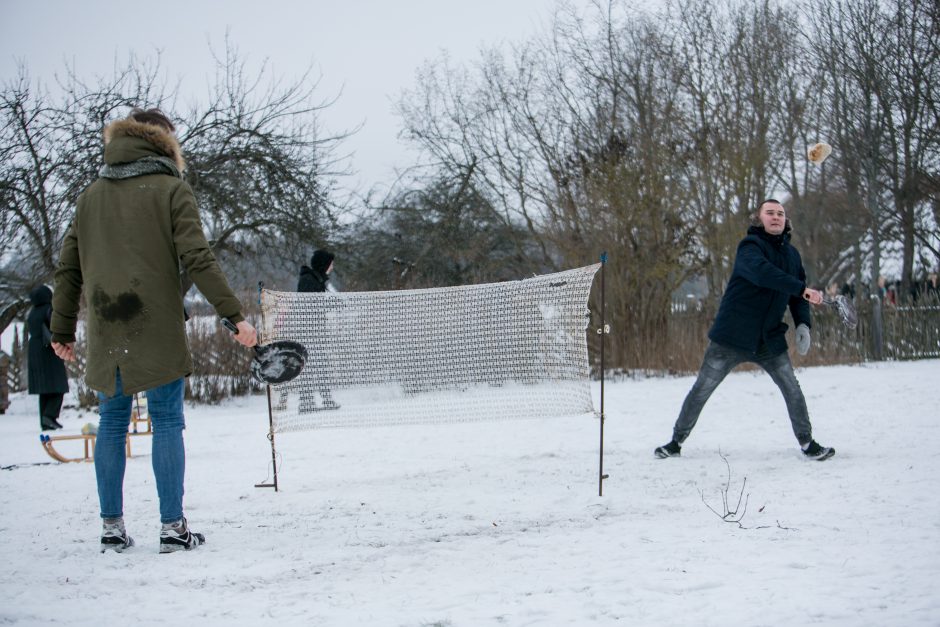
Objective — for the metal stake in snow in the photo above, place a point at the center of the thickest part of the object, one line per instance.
(603, 331)
(265, 484)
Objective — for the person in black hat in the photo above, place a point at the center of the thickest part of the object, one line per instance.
(313, 278)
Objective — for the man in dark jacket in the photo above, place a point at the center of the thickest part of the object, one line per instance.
(313, 278)
(46, 372)
(767, 278)
(133, 229)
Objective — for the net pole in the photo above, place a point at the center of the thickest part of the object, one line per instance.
(273, 451)
(270, 413)
(603, 332)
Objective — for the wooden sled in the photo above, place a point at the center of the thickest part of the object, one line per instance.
(88, 440)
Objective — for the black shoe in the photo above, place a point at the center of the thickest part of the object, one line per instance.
(668, 450)
(114, 537)
(817, 452)
(177, 537)
(49, 424)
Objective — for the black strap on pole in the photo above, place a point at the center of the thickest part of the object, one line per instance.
(603, 331)
(270, 413)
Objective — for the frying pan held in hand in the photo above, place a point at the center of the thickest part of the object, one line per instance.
(845, 308)
(277, 362)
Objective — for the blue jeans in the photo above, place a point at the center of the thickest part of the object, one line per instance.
(165, 404)
(718, 362)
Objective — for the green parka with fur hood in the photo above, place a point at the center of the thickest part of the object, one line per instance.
(132, 229)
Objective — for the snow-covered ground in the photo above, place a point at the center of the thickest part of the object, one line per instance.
(500, 523)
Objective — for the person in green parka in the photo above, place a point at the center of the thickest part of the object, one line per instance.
(134, 228)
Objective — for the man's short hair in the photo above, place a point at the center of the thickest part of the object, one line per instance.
(755, 216)
(152, 116)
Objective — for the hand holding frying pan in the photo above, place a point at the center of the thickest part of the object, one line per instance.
(842, 305)
(277, 362)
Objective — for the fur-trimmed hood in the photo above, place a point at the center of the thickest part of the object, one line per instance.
(162, 140)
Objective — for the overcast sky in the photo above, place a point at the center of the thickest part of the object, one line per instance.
(366, 49)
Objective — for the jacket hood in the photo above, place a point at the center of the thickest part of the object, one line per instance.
(130, 140)
(40, 295)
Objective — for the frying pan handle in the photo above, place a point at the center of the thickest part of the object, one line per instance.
(228, 324)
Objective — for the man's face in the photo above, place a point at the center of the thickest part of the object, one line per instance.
(774, 217)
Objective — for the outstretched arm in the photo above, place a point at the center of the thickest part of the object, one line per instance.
(196, 256)
(751, 264)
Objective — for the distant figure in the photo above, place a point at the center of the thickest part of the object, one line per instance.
(313, 278)
(767, 279)
(134, 228)
(932, 289)
(46, 372)
(883, 289)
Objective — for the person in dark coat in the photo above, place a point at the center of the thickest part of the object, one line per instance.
(313, 278)
(767, 279)
(46, 372)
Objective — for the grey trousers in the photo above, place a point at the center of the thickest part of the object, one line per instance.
(718, 362)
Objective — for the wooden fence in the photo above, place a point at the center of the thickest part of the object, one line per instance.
(907, 333)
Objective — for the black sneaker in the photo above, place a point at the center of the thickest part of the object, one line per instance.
(176, 536)
(114, 537)
(817, 452)
(668, 450)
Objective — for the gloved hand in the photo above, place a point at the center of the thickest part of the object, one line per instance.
(802, 339)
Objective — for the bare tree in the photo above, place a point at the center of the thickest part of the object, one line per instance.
(571, 135)
(438, 233)
(264, 173)
(845, 39)
(911, 77)
(737, 67)
(49, 151)
(654, 137)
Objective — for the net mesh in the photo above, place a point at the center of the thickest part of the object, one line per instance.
(516, 349)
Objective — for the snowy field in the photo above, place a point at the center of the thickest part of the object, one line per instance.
(500, 524)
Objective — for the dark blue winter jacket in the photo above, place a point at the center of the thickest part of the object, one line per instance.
(768, 276)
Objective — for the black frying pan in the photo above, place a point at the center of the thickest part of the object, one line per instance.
(845, 308)
(277, 362)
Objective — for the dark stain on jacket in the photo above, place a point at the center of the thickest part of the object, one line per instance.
(125, 307)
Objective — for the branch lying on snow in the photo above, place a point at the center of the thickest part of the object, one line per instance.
(732, 515)
(729, 515)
